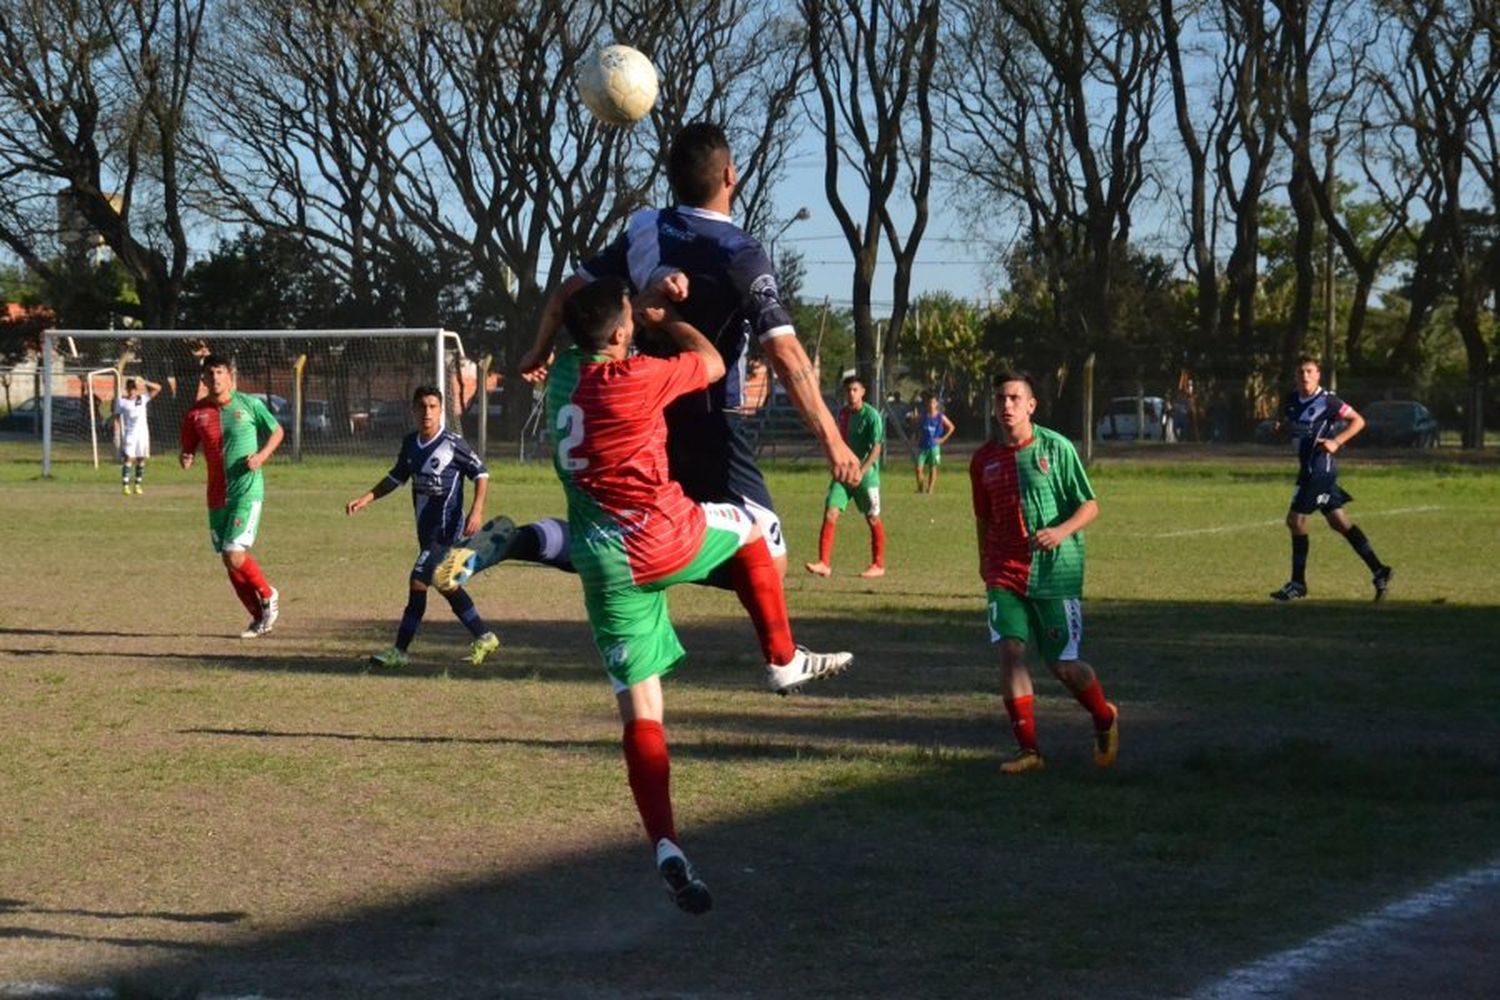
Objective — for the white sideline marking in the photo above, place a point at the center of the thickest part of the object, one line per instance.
(1275, 975)
(1281, 520)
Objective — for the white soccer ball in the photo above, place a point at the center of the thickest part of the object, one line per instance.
(618, 84)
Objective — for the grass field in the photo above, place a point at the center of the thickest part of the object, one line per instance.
(185, 813)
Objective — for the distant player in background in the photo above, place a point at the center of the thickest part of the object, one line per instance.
(1311, 412)
(933, 430)
(132, 431)
(733, 296)
(230, 426)
(634, 533)
(864, 430)
(1032, 501)
(436, 462)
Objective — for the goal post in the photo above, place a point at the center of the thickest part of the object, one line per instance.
(335, 392)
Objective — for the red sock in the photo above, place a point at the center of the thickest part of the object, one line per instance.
(246, 593)
(758, 586)
(877, 543)
(1022, 722)
(1092, 698)
(825, 541)
(650, 771)
(251, 569)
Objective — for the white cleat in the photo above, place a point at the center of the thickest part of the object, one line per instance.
(270, 610)
(805, 666)
(253, 630)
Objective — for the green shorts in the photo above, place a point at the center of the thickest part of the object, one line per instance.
(1056, 623)
(866, 496)
(929, 456)
(232, 528)
(631, 627)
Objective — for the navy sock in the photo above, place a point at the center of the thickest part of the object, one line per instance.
(463, 607)
(125, 474)
(1299, 559)
(140, 472)
(544, 541)
(411, 618)
(1361, 545)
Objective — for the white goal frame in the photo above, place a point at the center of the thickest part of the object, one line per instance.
(50, 339)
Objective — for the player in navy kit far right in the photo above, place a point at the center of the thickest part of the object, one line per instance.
(1311, 413)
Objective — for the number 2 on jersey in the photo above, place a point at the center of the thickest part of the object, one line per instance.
(570, 420)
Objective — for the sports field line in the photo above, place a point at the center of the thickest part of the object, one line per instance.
(1246, 526)
(1277, 974)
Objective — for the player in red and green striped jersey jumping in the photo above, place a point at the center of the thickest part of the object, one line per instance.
(229, 426)
(1032, 501)
(634, 533)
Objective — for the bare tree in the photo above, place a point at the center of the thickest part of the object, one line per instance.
(1050, 107)
(93, 102)
(872, 64)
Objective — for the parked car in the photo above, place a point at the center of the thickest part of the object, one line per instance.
(1118, 422)
(317, 416)
(389, 418)
(69, 417)
(1398, 423)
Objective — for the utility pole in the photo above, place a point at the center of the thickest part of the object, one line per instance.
(1330, 359)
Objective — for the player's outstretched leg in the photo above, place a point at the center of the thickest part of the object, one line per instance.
(470, 555)
(758, 586)
(687, 890)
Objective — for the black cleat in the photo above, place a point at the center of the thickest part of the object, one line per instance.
(687, 890)
(1382, 581)
(1290, 591)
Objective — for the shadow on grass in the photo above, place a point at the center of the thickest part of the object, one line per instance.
(1277, 775)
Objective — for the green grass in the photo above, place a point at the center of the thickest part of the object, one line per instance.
(186, 810)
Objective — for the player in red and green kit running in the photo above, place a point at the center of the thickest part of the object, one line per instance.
(634, 533)
(1032, 501)
(864, 429)
(238, 435)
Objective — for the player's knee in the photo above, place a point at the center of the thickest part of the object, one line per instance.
(1076, 674)
(831, 514)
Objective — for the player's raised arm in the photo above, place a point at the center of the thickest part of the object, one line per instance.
(533, 364)
(369, 496)
(795, 370)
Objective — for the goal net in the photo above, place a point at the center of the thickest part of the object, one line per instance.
(335, 392)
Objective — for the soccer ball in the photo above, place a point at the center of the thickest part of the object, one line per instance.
(618, 84)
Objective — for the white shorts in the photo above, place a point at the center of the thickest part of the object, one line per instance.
(136, 446)
(770, 527)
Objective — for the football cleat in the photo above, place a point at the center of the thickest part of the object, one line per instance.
(125, 489)
(467, 556)
(805, 666)
(482, 647)
(1382, 581)
(687, 890)
(1290, 591)
(138, 489)
(393, 657)
(819, 568)
(1107, 741)
(1025, 760)
(873, 571)
(253, 630)
(270, 610)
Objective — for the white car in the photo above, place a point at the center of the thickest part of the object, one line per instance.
(1118, 421)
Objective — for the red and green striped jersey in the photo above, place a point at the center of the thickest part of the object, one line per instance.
(630, 523)
(1017, 491)
(229, 434)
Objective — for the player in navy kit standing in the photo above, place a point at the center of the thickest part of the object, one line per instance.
(732, 296)
(1311, 413)
(437, 461)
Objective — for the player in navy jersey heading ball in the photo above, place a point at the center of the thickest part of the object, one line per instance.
(1311, 413)
(436, 462)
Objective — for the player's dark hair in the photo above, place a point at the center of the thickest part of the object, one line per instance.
(592, 313)
(852, 379)
(217, 361)
(696, 162)
(1308, 359)
(1000, 378)
(421, 392)
(130, 383)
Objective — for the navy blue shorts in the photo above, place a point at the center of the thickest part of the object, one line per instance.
(1318, 493)
(709, 455)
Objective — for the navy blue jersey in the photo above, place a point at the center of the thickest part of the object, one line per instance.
(732, 296)
(437, 469)
(1312, 420)
(931, 430)
(732, 291)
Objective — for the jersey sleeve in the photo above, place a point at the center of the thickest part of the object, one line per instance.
(1077, 489)
(754, 282)
(401, 471)
(877, 427)
(676, 376)
(189, 434)
(977, 494)
(612, 261)
(467, 461)
(1339, 408)
(260, 415)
